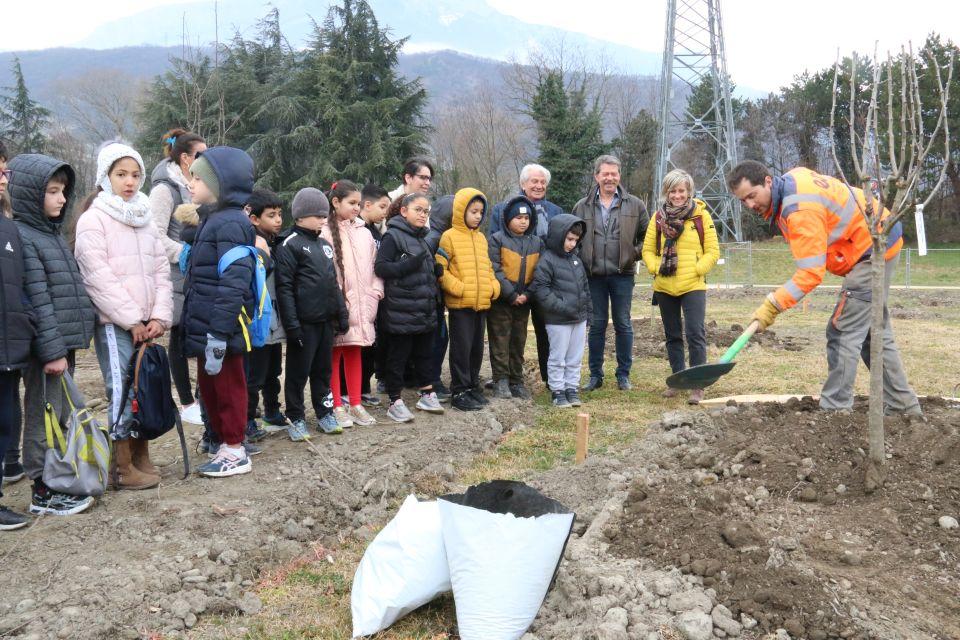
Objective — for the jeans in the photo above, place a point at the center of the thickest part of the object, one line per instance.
(441, 339)
(693, 306)
(115, 348)
(611, 296)
(13, 443)
(9, 413)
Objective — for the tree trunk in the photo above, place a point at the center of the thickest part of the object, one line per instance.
(875, 474)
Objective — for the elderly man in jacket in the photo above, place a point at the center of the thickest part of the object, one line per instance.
(616, 223)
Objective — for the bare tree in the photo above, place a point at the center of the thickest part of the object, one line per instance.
(102, 103)
(890, 149)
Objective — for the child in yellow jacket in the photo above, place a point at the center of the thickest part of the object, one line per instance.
(469, 286)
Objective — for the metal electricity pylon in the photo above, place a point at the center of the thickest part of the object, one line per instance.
(694, 62)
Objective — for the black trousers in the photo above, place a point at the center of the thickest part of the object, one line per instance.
(507, 335)
(693, 306)
(466, 348)
(9, 414)
(414, 351)
(441, 338)
(543, 341)
(263, 375)
(179, 370)
(312, 360)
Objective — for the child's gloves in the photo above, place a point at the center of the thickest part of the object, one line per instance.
(214, 354)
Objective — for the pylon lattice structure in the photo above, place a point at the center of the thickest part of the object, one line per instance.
(693, 54)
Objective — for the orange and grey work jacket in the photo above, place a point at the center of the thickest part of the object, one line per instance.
(824, 222)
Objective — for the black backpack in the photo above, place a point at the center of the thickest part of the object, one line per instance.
(154, 410)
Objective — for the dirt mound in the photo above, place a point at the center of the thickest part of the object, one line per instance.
(764, 505)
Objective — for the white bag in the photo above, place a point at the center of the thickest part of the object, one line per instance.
(501, 565)
(403, 568)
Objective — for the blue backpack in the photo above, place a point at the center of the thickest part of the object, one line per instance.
(256, 329)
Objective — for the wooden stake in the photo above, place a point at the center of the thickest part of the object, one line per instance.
(583, 436)
(804, 303)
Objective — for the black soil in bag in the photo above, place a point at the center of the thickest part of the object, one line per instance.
(507, 496)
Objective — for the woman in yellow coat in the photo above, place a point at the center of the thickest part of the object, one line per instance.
(679, 249)
(469, 286)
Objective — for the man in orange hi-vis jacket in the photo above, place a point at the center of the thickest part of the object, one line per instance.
(824, 222)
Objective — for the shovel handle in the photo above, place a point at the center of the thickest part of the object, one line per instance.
(735, 348)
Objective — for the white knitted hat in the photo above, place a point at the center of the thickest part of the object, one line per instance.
(108, 155)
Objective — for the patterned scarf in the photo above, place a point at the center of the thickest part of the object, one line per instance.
(670, 221)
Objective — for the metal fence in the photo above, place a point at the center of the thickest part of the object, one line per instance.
(748, 263)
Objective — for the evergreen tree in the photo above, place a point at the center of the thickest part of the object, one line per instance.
(22, 121)
(569, 135)
(637, 150)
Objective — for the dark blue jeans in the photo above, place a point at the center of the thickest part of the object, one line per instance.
(9, 413)
(441, 339)
(611, 296)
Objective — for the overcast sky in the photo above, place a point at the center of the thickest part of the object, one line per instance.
(767, 42)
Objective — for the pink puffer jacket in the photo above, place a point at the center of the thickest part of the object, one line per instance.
(361, 288)
(125, 270)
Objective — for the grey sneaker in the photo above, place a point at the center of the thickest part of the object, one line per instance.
(328, 424)
(430, 403)
(370, 400)
(360, 416)
(573, 397)
(502, 389)
(398, 412)
(297, 430)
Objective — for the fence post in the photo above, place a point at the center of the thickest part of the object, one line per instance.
(907, 274)
(750, 263)
(726, 265)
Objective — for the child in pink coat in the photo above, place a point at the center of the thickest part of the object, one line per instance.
(127, 276)
(354, 252)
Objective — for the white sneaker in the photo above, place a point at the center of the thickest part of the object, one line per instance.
(191, 413)
(398, 412)
(361, 417)
(430, 403)
(343, 417)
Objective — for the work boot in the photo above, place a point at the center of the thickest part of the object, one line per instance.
(503, 390)
(128, 476)
(696, 395)
(140, 456)
(595, 383)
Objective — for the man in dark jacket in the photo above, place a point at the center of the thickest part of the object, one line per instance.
(41, 189)
(560, 289)
(213, 328)
(615, 224)
(16, 336)
(312, 310)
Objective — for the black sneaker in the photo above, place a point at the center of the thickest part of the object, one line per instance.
(12, 472)
(10, 520)
(276, 419)
(442, 391)
(254, 433)
(594, 384)
(520, 391)
(477, 394)
(250, 448)
(465, 402)
(573, 397)
(560, 400)
(53, 503)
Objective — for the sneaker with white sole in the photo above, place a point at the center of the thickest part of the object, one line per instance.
(12, 472)
(343, 417)
(370, 400)
(53, 503)
(430, 403)
(361, 417)
(398, 411)
(329, 425)
(226, 463)
(10, 520)
(297, 430)
(192, 414)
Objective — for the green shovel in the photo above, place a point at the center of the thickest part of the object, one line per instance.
(704, 375)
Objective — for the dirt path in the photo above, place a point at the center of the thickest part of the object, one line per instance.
(142, 563)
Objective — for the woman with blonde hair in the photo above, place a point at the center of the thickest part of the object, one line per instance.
(679, 249)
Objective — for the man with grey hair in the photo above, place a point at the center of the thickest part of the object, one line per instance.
(610, 248)
(534, 180)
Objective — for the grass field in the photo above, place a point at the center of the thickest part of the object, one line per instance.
(770, 262)
(311, 598)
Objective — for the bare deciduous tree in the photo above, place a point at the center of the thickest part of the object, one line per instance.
(890, 149)
(102, 103)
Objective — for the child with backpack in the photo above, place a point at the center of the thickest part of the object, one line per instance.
(561, 289)
(41, 190)
(354, 252)
(469, 285)
(312, 310)
(215, 330)
(127, 276)
(679, 249)
(408, 314)
(265, 364)
(514, 252)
